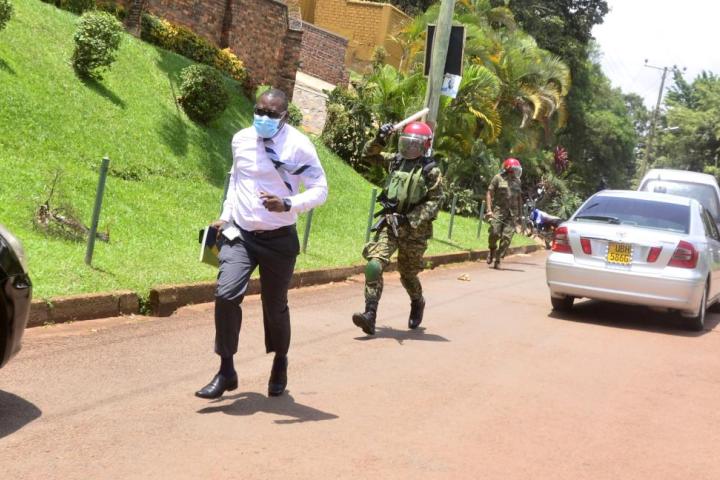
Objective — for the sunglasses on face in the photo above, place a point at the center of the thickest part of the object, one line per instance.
(268, 113)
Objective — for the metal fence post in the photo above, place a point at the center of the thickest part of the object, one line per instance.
(452, 216)
(482, 215)
(370, 215)
(306, 235)
(96, 210)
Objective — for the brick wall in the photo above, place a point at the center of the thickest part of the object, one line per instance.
(265, 34)
(323, 55)
(307, 9)
(204, 17)
(366, 25)
(396, 21)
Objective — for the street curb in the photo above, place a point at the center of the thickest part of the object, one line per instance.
(87, 306)
(165, 299)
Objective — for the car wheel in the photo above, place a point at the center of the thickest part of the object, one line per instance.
(563, 304)
(715, 306)
(697, 323)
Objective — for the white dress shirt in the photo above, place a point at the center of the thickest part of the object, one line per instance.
(253, 171)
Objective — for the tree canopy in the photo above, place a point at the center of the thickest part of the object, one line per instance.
(688, 135)
(531, 87)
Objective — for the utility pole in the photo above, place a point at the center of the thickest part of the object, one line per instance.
(647, 161)
(441, 41)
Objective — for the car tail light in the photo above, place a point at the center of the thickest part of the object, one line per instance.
(561, 242)
(585, 243)
(685, 256)
(653, 254)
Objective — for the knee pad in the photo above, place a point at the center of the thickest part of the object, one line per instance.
(373, 270)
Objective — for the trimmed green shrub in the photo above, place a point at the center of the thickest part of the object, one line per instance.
(151, 29)
(226, 61)
(188, 44)
(77, 6)
(203, 93)
(347, 126)
(115, 9)
(6, 12)
(96, 43)
(295, 116)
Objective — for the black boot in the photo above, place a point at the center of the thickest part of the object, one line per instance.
(219, 385)
(417, 307)
(490, 256)
(278, 376)
(366, 320)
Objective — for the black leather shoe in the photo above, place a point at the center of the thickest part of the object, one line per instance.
(417, 307)
(219, 385)
(366, 321)
(278, 376)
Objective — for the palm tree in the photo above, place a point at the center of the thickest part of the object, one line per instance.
(533, 82)
(393, 94)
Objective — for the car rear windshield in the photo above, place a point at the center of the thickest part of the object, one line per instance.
(637, 212)
(705, 194)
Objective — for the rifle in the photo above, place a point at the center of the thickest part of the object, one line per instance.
(388, 216)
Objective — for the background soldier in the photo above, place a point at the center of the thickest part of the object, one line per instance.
(410, 201)
(504, 204)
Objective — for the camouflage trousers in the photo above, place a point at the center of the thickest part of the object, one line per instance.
(411, 245)
(502, 228)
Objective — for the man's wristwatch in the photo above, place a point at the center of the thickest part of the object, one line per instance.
(287, 203)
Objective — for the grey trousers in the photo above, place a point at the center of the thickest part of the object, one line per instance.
(275, 258)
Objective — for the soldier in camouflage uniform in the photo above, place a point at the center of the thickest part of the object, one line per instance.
(410, 202)
(504, 206)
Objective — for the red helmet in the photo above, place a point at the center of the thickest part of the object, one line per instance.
(512, 164)
(415, 140)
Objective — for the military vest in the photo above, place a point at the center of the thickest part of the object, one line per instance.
(407, 185)
(507, 193)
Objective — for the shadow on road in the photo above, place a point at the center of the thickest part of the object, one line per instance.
(507, 269)
(529, 264)
(633, 317)
(249, 403)
(15, 413)
(402, 335)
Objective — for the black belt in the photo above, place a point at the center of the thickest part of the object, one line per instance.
(276, 233)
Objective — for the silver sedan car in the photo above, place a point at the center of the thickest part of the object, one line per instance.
(641, 248)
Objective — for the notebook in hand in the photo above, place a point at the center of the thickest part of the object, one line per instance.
(208, 246)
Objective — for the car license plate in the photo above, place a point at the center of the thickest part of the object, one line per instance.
(620, 253)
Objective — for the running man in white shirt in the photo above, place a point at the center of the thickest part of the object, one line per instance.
(270, 161)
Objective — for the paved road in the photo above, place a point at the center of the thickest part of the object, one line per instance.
(495, 387)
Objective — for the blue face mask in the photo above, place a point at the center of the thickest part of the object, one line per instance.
(266, 127)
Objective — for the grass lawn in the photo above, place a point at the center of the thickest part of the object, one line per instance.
(166, 173)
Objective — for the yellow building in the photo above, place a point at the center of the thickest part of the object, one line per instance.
(366, 25)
